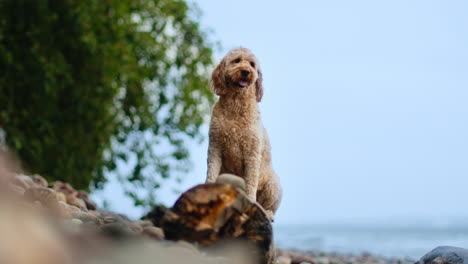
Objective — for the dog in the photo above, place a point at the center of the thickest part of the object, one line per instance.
(238, 141)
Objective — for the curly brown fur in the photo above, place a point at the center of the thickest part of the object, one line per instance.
(238, 141)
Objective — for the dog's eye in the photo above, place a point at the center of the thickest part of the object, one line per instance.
(252, 64)
(237, 60)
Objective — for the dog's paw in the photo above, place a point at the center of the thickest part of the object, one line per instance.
(270, 215)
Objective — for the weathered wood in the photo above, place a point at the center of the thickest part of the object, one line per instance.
(210, 213)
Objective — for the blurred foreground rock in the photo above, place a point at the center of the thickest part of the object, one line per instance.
(43, 222)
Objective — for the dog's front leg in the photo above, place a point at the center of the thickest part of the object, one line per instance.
(214, 161)
(252, 170)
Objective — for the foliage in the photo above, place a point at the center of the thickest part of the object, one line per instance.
(94, 88)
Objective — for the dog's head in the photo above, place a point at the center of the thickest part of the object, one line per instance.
(237, 72)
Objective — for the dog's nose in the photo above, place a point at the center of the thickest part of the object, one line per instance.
(245, 73)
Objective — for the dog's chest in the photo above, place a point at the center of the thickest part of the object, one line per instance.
(236, 142)
(235, 136)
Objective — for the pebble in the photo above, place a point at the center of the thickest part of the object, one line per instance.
(61, 197)
(233, 180)
(72, 208)
(39, 181)
(86, 217)
(23, 181)
(283, 260)
(46, 196)
(109, 219)
(320, 257)
(63, 187)
(117, 231)
(154, 232)
(73, 200)
(76, 221)
(322, 260)
(145, 223)
(63, 210)
(90, 205)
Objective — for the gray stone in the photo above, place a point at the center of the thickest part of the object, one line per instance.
(76, 221)
(154, 232)
(233, 180)
(445, 255)
(283, 260)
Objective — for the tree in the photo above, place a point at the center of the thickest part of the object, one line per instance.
(95, 87)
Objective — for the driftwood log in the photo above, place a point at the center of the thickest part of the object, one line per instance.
(212, 213)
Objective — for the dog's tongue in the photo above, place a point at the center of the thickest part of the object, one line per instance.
(243, 83)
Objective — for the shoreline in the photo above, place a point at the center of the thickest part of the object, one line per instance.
(286, 255)
(385, 240)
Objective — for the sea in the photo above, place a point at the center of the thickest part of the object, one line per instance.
(387, 240)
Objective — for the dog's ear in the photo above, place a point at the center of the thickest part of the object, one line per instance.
(218, 79)
(259, 86)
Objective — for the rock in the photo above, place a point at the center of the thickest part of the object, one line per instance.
(61, 197)
(86, 217)
(283, 260)
(96, 213)
(75, 225)
(117, 231)
(117, 217)
(70, 208)
(46, 196)
(65, 188)
(29, 236)
(135, 227)
(39, 181)
(76, 221)
(297, 256)
(23, 181)
(67, 210)
(322, 260)
(73, 200)
(154, 232)
(145, 223)
(233, 180)
(109, 219)
(63, 210)
(90, 205)
(445, 255)
(16, 189)
(156, 215)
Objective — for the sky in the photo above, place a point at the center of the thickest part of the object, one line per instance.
(366, 106)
